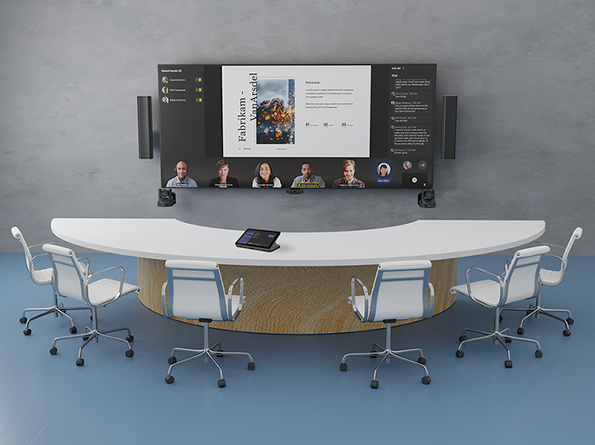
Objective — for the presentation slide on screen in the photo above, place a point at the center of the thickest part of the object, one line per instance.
(296, 111)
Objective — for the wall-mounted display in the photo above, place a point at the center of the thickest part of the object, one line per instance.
(297, 126)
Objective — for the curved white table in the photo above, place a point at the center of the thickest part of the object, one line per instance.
(302, 287)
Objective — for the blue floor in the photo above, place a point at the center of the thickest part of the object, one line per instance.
(296, 395)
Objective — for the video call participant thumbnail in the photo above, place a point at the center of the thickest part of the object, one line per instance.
(181, 180)
(348, 180)
(264, 176)
(307, 179)
(223, 180)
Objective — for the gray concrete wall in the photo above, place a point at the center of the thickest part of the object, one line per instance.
(523, 71)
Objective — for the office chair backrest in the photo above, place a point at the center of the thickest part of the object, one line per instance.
(40, 277)
(18, 235)
(578, 232)
(69, 273)
(521, 280)
(400, 291)
(195, 290)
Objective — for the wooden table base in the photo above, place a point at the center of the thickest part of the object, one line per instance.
(296, 300)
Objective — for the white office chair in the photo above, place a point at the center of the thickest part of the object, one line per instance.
(194, 290)
(400, 292)
(41, 277)
(520, 281)
(74, 280)
(551, 278)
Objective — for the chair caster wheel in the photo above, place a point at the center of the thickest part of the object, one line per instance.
(80, 362)
(85, 338)
(460, 354)
(172, 360)
(501, 318)
(566, 332)
(221, 383)
(251, 366)
(343, 367)
(169, 378)
(568, 320)
(23, 320)
(219, 355)
(27, 331)
(426, 380)
(372, 352)
(520, 331)
(130, 338)
(54, 351)
(421, 360)
(462, 338)
(374, 384)
(508, 364)
(129, 353)
(508, 340)
(538, 353)
(73, 329)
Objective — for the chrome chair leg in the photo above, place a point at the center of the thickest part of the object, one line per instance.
(57, 310)
(207, 352)
(386, 354)
(497, 336)
(94, 334)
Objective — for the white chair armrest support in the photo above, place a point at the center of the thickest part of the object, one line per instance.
(164, 306)
(233, 316)
(36, 256)
(564, 266)
(431, 292)
(92, 274)
(488, 273)
(351, 299)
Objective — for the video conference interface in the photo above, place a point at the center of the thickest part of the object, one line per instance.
(297, 126)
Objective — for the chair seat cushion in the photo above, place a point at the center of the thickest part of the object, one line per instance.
(486, 292)
(43, 276)
(550, 277)
(105, 290)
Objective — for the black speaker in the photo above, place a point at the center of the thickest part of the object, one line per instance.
(167, 198)
(145, 127)
(449, 126)
(427, 199)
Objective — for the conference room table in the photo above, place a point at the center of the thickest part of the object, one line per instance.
(302, 287)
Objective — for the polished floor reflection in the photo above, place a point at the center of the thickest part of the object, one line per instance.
(296, 394)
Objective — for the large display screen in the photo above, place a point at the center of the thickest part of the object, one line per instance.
(297, 126)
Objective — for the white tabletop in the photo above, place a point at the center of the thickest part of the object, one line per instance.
(172, 239)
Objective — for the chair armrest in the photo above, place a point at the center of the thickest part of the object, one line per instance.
(33, 259)
(229, 296)
(563, 265)
(351, 299)
(92, 274)
(431, 292)
(486, 272)
(164, 305)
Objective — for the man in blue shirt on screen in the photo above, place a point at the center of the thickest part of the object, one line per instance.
(181, 180)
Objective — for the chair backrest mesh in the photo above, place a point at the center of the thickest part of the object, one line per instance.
(400, 291)
(195, 290)
(522, 275)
